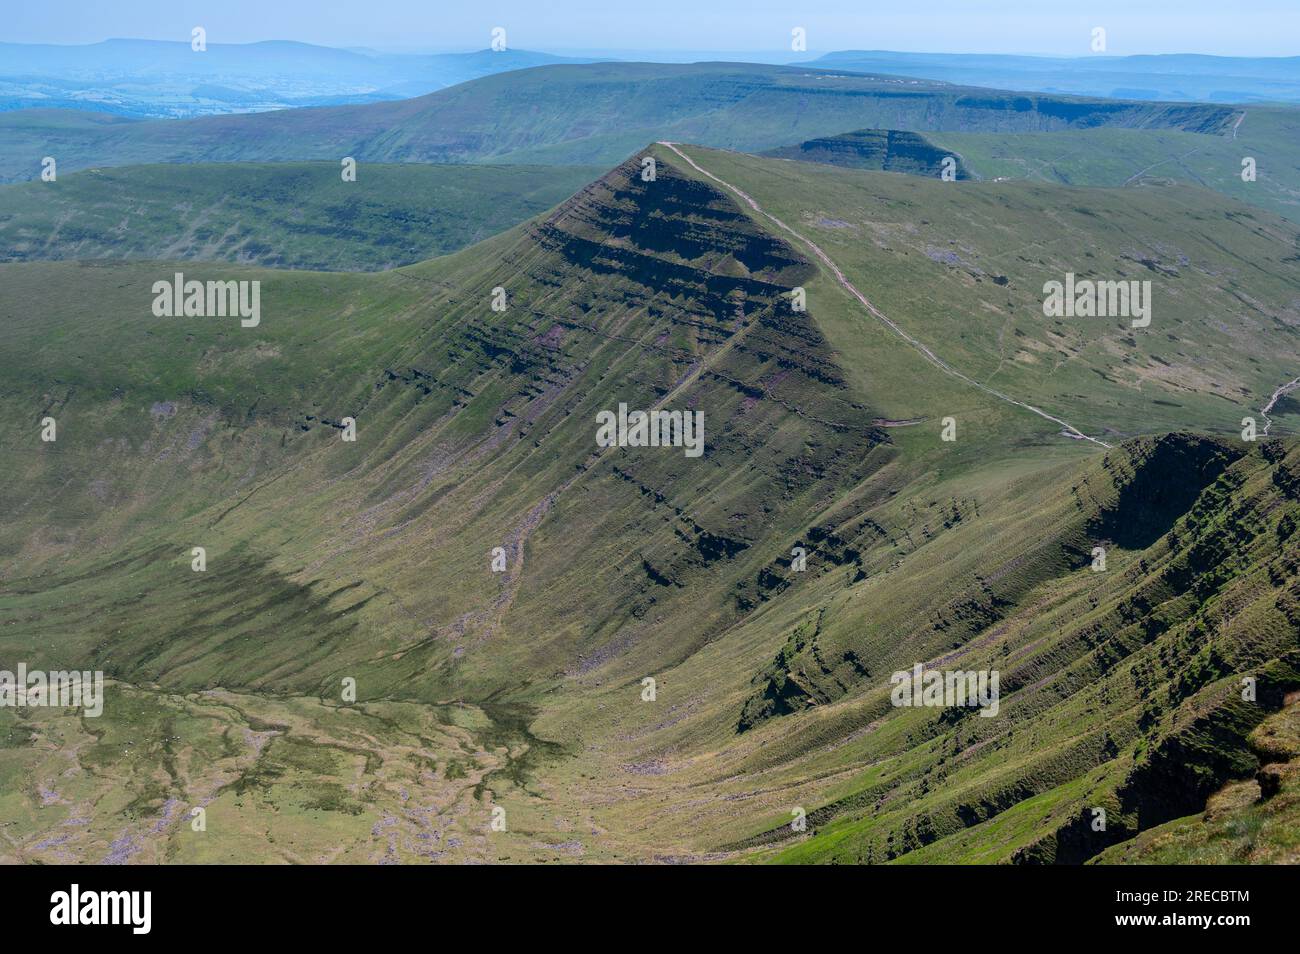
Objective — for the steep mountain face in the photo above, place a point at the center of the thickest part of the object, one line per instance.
(1250, 820)
(1120, 689)
(500, 585)
(1225, 599)
(477, 431)
(653, 295)
(890, 150)
(587, 113)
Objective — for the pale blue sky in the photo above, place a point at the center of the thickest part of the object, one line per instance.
(1226, 27)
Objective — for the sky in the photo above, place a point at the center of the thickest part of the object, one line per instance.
(616, 27)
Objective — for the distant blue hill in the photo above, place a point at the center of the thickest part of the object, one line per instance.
(1178, 76)
(155, 78)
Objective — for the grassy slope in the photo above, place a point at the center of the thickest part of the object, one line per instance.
(1116, 157)
(328, 559)
(282, 215)
(591, 113)
(962, 265)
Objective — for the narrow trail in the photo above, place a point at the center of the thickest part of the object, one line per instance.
(1141, 172)
(1179, 159)
(1277, 396)
(1068, 430)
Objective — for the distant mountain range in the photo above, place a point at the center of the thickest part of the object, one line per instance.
(159, 79)
(167, 79)
(597, 114)
(582, 113)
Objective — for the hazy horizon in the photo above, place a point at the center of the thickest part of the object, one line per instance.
(1006, 27)
(682, 54)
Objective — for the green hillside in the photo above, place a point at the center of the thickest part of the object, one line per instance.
(282, 215)
(589, 113)
(962, 266)
(523, 688)
(1131, 158)
(1120, 690)
(1251, 821)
